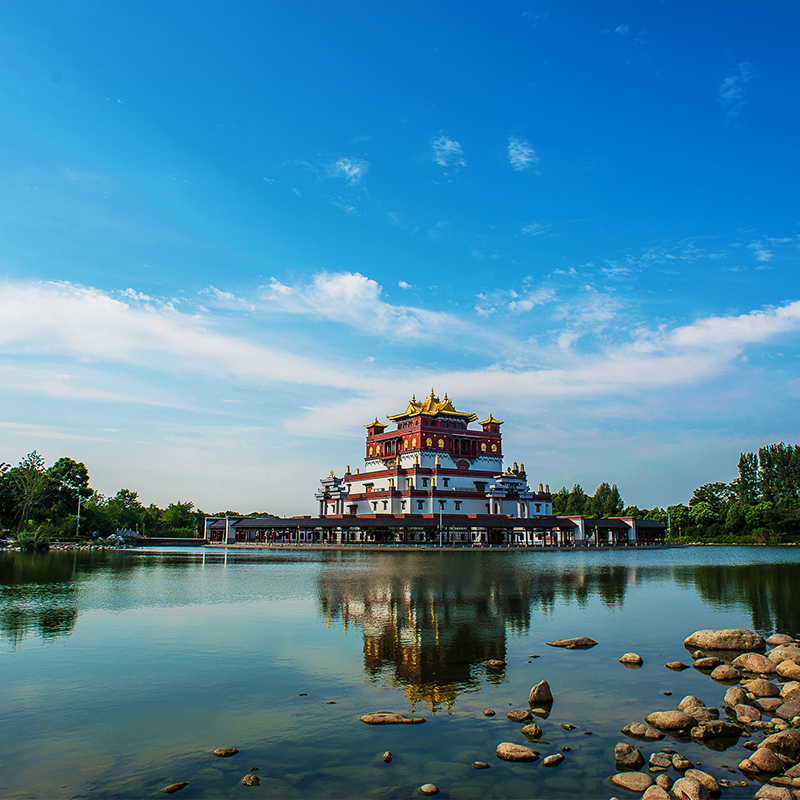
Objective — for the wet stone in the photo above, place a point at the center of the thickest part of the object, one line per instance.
(226, 752)
(390, 718)
(677, 666)
(662, 760)
(480, 765)
(553, 761)
(251, 780)
(519, 715)
(532, 731)
(633, 781)
(509, 751)
(490, 712)
(429, 789)
(638, 730)
(175, 787)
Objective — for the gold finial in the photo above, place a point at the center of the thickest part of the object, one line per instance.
(516, 467)
(331, 475)
(414, 397)
(522, 467)
(437, 461)
(347, 471)
(547, 488)
(540, 488)
(431, 391)
(358, 471)
(445, 395)
(416, 460)
(397, 460)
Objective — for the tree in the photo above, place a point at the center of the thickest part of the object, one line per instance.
(779, 474)
(29, 481)
(125, 509)
(714, 495)
(702, 514)
(606, 502)
(67, 480)
(746, 485)
(560, 501)
(576, 501)
(179, 515)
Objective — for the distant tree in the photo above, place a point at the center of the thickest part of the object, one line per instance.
(702, 514)
(714, 495)
(125, 509)
(29, 481)
(606, 502)
(178, 515)
(736, 517)
(746, 485)
(678, 516)
(657, 515)
(779, 474)
(634, 511)
(560, 501)
(577, 501)
(67, 480)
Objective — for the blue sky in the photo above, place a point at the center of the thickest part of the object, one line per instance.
(234, 233)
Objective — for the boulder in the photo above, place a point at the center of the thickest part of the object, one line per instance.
(788, 711)
(747, 714)
(768, 704)
(786, 743)
(789, 669)
(709, 662)
(677, 666)
(773, 793)
(761, 687)
(638, 730)
(632, 781)
(689, 789)
(226, 752)
(725, 639)
(716, 729)
(735, 696)
(251, 780)
(785, 652)
(390, 718)
(701, 713)
(779, 638)
(532, 731)
(792, 696)
(519, 715)
(665, 782)
(494, 663)
(429, 789)
(709, 781)
(509, 751)
(175, 787)
(789, 686)
(628, 757)
(660, 760)
(689, 700)
(763, 760)
(680, 762)
(632, 659)
(655, 792)
(554, 760)
(670, 720)
(579, 643)
(754, 662)
(540, 694)
(725, 673)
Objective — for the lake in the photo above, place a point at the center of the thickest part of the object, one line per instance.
(122, 670)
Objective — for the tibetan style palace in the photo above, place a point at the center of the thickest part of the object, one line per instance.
(433, 479)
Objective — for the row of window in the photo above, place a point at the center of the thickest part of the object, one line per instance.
(420, 505)
(428, 443)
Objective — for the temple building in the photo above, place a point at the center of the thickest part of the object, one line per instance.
(432, 462)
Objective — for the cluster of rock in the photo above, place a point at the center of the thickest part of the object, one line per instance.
(764, 700)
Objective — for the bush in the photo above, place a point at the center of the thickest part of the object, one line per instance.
(38, 539)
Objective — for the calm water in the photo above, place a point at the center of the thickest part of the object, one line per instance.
(121, 671)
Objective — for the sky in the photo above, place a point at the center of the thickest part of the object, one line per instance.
(231, 234)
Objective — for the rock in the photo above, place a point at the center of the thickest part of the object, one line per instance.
(387, 756)
(390, 718)
(702, 714)
(567, 726)
(785, 743)
(632, 781)
(709, 662)
(428, 789)
(628, 757)
(747, 714)
(532, 731)
(761, 687)
(725, 673)
(632, 659)
(251, 780)
(735, 696)
(663, 760)
(680, 762)
(480, 765)
(655, 792)
(689, 789)
(773, 793)
(494, 663)
(690, 700)
(664, 781)
(782, 780)
(790, 686)
(785, 652)
(226, 752)
(540, 694)
(579, 643)
(509, 751)
(670, 720)
(554, 760)
(490, 712)
(788, 711)
(519, 715)
(789, 669)
(709, 781)
(638, 730)
(175, 787)
(725, 639)
(714, 729)
(754, 662)
(764, 760)
(794, 772)
(678, 666)
(779, 638)
(768, 704)
(792, 696)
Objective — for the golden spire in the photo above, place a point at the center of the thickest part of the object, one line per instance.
(437, 460)
(331, 475)
(416, 459)
(347, 471)
(522, 467)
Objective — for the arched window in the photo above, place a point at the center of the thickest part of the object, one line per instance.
(483, 447)
(414, 442)
(405, 444)
(494, 448)
(370, 451)
(428, 442)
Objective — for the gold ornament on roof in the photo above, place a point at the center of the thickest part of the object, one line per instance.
(432, 406)
(490, 420)
(331, 475)
(375, 424)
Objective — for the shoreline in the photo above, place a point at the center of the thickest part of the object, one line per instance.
(431, 548)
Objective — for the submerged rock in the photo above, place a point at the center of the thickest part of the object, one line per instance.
(494, 663)
(725, 639)
(429, 789)
(638, 730)
(677, 666)
(175, 787)
(554, 760)
(709, 662)
(579, 643)
(387, 756)
(632, 781)
(251, 780)
(226, 752)
(632, 659)
(480, 765)
(716, 729)
(490, 712)
(532, 731)
(540, 694)
(670, 720)
(390, 718)
(628, 757)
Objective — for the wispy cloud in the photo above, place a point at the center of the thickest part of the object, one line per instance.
(731, 92)
(447, 152)
(351, 169)
(760, 252)
(535, 228)
(521, 155)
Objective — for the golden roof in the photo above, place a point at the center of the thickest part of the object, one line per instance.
(430, 407)
(491, 420)
(375, 424)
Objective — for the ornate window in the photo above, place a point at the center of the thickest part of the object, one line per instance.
(494, 448)
(441, 443)
(370, 451)
(483, 447)
(414, 442)
(429, 442)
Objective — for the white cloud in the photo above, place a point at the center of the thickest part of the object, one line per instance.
(521, 155)
(447, 152)
(351, 169)
(535, 228)
(760, 252)
(404, 285)
(731, 92)
(622, 29)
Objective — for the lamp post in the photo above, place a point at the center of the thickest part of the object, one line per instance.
(78, 527)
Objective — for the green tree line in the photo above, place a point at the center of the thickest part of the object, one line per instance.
(46, 499)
